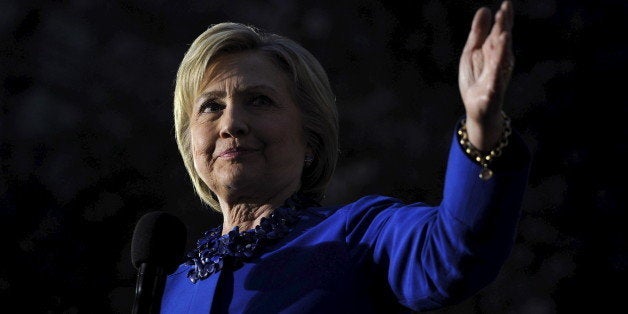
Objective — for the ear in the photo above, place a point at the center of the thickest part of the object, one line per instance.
(309, 157)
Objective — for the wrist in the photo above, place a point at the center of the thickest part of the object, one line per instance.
(485, 157)
(485, 134)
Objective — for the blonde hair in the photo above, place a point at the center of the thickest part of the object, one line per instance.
(310, 90)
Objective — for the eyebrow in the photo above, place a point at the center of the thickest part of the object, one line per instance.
(245, 90)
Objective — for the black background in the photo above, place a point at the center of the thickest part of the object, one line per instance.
(87, 141)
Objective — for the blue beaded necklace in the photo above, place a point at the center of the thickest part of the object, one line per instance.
(214, 250)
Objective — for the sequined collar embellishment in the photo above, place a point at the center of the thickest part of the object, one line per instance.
(214, 250)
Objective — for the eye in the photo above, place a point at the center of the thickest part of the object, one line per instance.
(261, 101)
(210, 106)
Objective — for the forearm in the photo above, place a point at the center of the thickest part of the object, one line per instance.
(485, 133)
(478, 217)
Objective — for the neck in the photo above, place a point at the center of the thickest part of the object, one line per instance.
(247, 213)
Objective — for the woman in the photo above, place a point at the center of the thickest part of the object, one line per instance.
(256, 125)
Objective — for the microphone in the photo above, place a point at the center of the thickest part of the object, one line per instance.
(157, 248)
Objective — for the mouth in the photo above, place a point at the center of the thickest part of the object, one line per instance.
(236, 152)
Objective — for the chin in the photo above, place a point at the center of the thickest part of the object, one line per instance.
(236, 181)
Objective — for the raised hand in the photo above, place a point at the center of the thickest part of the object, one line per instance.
(485, 68)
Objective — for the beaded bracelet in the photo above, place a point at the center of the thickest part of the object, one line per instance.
(484, 159)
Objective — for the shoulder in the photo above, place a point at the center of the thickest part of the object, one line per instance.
(368, 202)
(372, 209)
(366, 207)
(371, 203)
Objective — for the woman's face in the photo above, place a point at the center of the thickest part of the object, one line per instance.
(246, 131)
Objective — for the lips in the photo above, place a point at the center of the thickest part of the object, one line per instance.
(235, 152)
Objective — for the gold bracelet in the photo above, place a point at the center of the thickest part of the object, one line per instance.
(484, 159)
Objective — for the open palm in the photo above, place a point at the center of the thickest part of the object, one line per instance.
(485, 69)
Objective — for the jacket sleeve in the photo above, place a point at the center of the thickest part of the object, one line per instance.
(433, 256)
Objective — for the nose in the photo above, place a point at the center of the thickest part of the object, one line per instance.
(233, 122)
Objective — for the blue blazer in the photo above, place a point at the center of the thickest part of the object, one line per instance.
(377, 254)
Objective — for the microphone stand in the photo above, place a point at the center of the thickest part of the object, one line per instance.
(149, 289)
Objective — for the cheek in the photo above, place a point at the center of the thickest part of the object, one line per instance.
(202, 147)
(287, 141)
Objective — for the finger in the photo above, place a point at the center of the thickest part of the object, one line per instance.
(507, 63)
(501, 21)
(501, 64)
(479, 29)
(509, 14)
(505, 51)
(508, 55)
